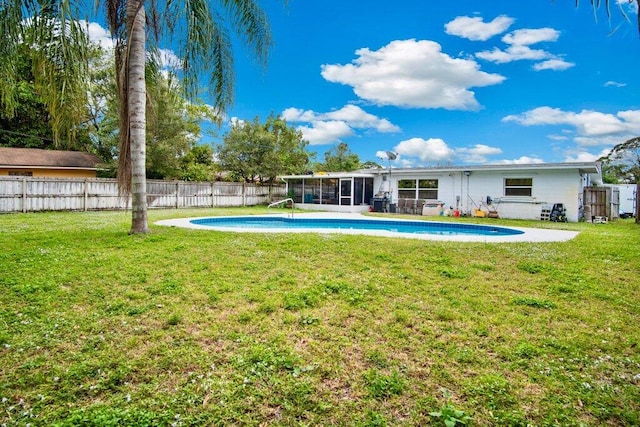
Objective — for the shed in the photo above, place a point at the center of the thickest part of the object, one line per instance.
(47, 163)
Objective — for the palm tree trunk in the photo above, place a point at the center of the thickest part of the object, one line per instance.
(136, 99)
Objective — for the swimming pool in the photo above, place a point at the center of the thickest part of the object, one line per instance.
(355, 223)
(390, 225)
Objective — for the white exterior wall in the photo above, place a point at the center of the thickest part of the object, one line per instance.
(627, 197)
(549, 187)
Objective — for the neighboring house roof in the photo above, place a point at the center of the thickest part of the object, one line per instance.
(45, 159)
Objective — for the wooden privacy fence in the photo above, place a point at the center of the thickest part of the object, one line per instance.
(29, 194)
(601, 202)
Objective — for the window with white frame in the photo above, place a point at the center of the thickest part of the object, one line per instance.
(418, 189)
(519, 187)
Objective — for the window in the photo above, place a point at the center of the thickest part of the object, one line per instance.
(362, 191)
(330, 191)
(518, 187)
(418, 189)
(428, 189)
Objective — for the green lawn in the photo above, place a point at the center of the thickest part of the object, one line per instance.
(189, 327)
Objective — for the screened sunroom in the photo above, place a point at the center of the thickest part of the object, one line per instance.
(339, 191)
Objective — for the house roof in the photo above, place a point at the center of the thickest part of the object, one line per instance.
(44, 159)
(584, 167)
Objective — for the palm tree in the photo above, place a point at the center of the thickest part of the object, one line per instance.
(57, 48)
(206, 48)
(200, 27)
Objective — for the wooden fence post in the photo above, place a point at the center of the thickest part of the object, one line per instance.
(24, 194)
(177, 193)
(86, 194)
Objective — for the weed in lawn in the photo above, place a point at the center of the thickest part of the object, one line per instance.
(453, 273)
(484, 267)
(298, 301)
(450, 415)
(534, 302)
(493, 392)
(382, 386)
(174, 319)
(531, 267)
(306, 320)
(374, 419)
(378, 359)
(267, 308)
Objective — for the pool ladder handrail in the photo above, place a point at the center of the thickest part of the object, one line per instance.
(279, 202)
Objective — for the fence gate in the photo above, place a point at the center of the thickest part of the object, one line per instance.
(601, 202)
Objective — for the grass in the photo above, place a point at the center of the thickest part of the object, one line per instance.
(189, 327)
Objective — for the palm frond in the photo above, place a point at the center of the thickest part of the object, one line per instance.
(58, 47)
(252, 24)
(11, 34)
(208, 46)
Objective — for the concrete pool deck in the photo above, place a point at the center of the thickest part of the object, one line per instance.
(528, 234)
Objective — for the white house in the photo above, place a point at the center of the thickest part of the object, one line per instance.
(514, 191)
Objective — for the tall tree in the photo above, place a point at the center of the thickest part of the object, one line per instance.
(206, 47)
(259, 152)
(625, 159)
(339, 159)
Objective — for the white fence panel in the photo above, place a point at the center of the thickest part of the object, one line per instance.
(11, 195)
(28, 194)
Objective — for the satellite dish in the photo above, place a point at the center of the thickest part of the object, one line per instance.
(391, 155)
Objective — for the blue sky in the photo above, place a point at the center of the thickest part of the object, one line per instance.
(449, 82)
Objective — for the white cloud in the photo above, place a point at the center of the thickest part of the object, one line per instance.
(168, 59)
(519, 48)
(558, 137)
(384, 155)
(356, 117)
(298, 115)
(478, 153)
(587, 123)
(556, 64)
(99, 35)
(590, 128)
(436, 151)
(513, 53)
(234, 121)
(585, 156)
(432, 150)
(609, 141)
(524, 160)
(327, 132)
(614, 84)
(412, 74)
(474, 28)
(327, 128)
(529, 36)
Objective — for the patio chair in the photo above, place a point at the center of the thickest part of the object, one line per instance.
(414, 206)
(402, 206)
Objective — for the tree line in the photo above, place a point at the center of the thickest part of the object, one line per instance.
(251, 151)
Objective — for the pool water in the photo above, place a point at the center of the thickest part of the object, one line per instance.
(409, 227)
